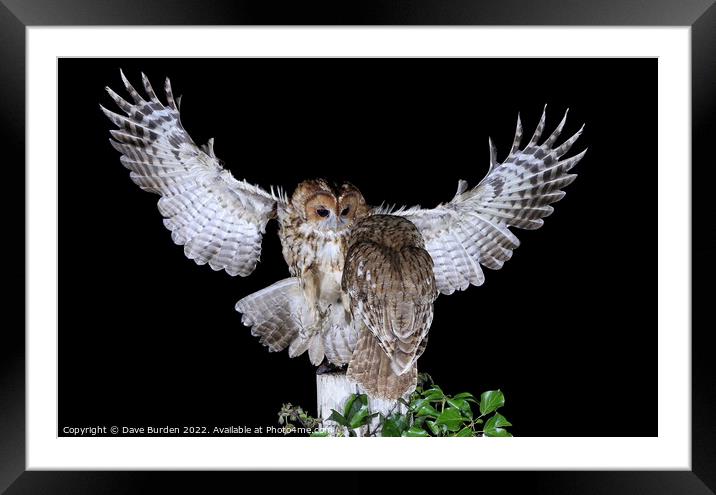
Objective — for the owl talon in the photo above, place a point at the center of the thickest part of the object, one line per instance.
(328, 367)
(323, 314)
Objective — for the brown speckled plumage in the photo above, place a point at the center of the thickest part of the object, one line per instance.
(389, 279)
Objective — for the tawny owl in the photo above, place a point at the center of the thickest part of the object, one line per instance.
(363, 279)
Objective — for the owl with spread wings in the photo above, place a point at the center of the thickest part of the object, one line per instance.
(363, 279)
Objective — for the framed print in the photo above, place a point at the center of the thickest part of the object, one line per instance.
(555, 285)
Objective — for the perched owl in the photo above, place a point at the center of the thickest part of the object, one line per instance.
(363, 279)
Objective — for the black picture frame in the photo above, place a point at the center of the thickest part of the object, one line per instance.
(16, 15)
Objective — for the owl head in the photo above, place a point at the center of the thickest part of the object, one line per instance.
(327, 206)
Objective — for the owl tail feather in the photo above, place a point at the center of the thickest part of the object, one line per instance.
(371, 368)
(280, 317)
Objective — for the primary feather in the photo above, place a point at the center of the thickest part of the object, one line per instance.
(218, 219)
(474, 228)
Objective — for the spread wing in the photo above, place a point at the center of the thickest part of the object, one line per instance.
(217, 219)
(474, 228)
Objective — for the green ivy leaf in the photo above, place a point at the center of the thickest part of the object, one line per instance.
(494, 426)
(358, 418)
(418, 404)
(465, 432)
(394, 426)
(338, 418)
(462, 405)
(354, 404)
(434, 393)
(402, 421)
(498, 421)
(348, 410)
(319, 433)
(433, 427)
(428, 410)
(498, 432)
(416, 432)
(491, 401)
(362, 417)
(451, 418)
(467, 396)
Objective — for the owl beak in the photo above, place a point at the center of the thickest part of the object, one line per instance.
(333, 222)
(336, 222)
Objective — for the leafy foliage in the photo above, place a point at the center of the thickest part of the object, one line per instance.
(428, 413)
(433, 413)
(355, 414)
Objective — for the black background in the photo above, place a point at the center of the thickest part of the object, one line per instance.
(567, 329)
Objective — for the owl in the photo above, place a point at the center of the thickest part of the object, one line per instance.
(363, 279)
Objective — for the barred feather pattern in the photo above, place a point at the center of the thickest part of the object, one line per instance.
(277, 314)
(281, 317)
(389, 279)
(473, 229)
(373, 370)
(339, 335)
(218, 219)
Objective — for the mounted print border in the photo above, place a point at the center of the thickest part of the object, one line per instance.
(16, 15)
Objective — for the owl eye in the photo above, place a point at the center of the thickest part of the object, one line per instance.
(345, 211)
(322, 212)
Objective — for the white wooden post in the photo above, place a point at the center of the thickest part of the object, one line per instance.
(332, 391)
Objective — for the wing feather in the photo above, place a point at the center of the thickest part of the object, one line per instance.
(474, 228)
(218, 219)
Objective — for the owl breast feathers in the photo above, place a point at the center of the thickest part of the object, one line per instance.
(363, 279)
